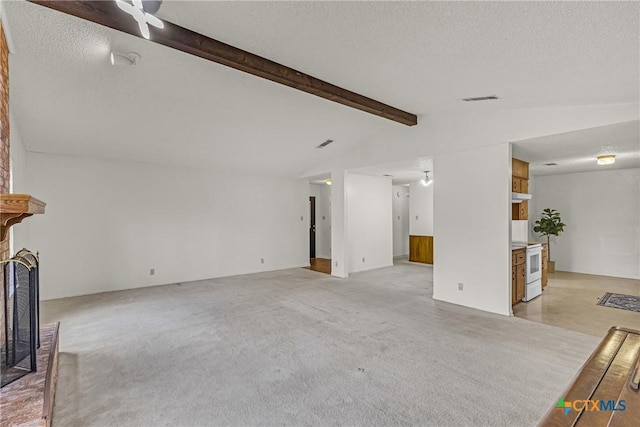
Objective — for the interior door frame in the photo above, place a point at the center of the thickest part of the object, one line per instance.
(312, 227)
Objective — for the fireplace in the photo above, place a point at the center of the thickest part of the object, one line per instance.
(20, 327)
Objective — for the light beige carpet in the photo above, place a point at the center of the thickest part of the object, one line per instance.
(296, 347)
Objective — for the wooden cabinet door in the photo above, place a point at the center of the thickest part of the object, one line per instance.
(516, 184)
(520, 210)
(524, 210)
(519, 184)
(513, 285)
(520, 281)
(519, 168)
(421, 249)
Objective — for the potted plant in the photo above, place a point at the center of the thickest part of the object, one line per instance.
(550, 224)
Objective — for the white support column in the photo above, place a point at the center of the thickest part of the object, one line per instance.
(339, 217)
(472, 226)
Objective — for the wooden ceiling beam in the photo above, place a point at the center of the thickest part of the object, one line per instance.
(108, 14)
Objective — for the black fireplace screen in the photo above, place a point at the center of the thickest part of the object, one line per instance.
(20, 328)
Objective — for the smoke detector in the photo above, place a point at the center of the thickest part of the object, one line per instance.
(130, 58)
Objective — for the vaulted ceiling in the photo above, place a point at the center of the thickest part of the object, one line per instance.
(423, 57)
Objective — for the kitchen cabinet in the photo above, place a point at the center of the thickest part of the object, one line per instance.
(421, 249)
(520, 282)
(519, 168)
(519, 184)
(545, 253)
(518, 272)
(516, 184)
(520, 210)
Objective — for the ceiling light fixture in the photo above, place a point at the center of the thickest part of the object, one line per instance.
(130, 58)
(606, 159)
(426, 181)
(137, 10)
(328, 182)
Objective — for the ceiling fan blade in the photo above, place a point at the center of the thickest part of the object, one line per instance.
(137, 4)
(136, 13)
(125, 7)
(152, 20)
(144, 29)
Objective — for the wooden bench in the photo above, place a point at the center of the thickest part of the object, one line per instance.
(605, 391)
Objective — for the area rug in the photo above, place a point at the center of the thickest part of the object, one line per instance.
(622, 301)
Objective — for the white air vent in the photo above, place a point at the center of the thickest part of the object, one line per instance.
(324, 144)
(481, 98)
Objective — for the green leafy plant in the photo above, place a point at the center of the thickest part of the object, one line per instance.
(550, 224)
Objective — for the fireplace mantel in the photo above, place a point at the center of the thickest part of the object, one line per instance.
(16, 207)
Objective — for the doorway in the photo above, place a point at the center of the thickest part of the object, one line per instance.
(320, 226)
(312, 227)
(400, 211)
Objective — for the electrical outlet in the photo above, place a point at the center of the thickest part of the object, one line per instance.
(152, 271)
(323, 217)
(416, 217)
(261, 260)
(398, 217)
(362, 259)
(336, 263)
(460, 286)
(301, 218)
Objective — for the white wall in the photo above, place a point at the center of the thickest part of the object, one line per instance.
(18, 182)
(370, 228)
(18, 163)
(339, 225)
(472, 228)
(520, 229)
(322, 193)
(400, 210)
(107, 223)
(602, 213)
(421, 209)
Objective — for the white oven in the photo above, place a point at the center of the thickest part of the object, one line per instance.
(533, 264)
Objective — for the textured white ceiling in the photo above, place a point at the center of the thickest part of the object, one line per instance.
(400, 172)
(423, 57)
(577, 151)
